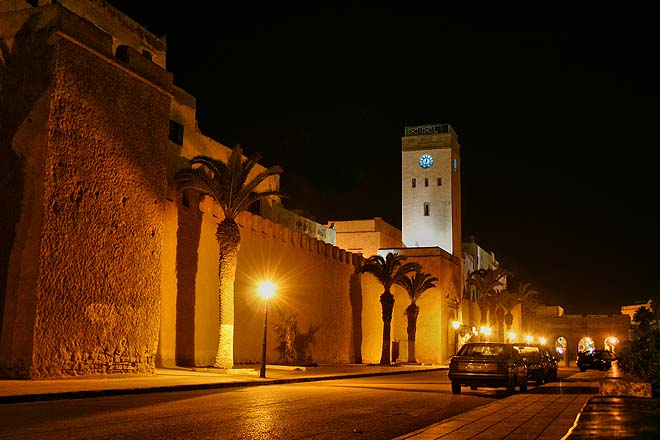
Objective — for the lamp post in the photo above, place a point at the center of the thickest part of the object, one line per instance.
(266, 290)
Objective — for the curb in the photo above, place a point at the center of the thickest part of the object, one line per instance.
(23, 398)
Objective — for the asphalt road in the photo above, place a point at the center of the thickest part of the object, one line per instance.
(379, 407)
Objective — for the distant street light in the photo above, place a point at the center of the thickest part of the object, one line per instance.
(266, 290)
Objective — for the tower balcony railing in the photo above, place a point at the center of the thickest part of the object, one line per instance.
(419, 130)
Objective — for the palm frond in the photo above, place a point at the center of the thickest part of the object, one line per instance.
(227, 183)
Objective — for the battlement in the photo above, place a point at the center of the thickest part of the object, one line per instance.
(296, 238)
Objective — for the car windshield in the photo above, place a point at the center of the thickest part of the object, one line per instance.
(481, 350)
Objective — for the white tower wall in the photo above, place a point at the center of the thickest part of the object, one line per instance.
(430, 209)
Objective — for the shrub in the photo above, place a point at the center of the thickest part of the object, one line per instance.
(641, 358)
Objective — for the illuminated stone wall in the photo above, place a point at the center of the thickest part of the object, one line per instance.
(314, 280)
(438, 306)
(87, 133)
(575, 327)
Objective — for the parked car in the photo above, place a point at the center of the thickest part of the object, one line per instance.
(487, 364)
(541, 364)
(597, 359)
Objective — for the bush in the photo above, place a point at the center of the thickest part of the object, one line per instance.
(641, 358)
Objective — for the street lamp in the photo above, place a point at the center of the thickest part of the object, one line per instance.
(266, 290)
(511, 336)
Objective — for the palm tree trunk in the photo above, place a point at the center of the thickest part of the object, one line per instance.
(387, 304)
(412, 311)
(229, 240)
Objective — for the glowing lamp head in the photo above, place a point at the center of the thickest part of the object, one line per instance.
(511, 336)
(485, 331)
(543, 341)
(266, 289)
(455, 324)
(612, 340)
(529, 339)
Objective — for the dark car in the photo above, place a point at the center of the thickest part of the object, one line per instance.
(541, 364)
(597, 359)
(487, 364)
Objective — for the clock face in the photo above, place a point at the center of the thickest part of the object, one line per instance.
(425, 161)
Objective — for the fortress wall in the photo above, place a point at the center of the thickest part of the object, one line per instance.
(435, 335)
(84, 272)
(575, 327)
(313, 280)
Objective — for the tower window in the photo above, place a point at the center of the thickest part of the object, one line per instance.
(439, 181)
(426, 181)
(414, 182)
(176, 133)
(427, 209)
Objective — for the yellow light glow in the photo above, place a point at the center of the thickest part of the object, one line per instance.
(612, 340)
(485, 330)
(543, 341)
(529, 338)
(266, 289)
(511, 336)
(455, 324)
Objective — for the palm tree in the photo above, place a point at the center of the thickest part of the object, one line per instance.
(227, 184)
(415, 286)
(507, 301)
(527, 297)
(387, 271)
(487, 283)
(644, 318)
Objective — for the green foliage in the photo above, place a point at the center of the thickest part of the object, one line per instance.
(641, 358)
(416, 284)
(388, 270)
(231, 185)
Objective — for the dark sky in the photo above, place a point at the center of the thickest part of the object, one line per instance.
(556, 113)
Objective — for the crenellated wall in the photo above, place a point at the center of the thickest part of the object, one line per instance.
(314, 280)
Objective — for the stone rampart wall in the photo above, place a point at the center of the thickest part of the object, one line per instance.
(89, 132)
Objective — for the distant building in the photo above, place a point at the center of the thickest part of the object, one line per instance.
(632, 308)
(365, 237)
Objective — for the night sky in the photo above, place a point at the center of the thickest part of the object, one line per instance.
(556, 113)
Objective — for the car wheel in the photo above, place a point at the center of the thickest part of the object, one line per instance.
(583, 369)
(523, 387)
(455, 388)
(510, 387)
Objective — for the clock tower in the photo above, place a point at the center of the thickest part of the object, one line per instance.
(431, 188)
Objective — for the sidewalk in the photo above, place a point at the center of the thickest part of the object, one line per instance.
(181, 379)
(571, 409)
(547, 412)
